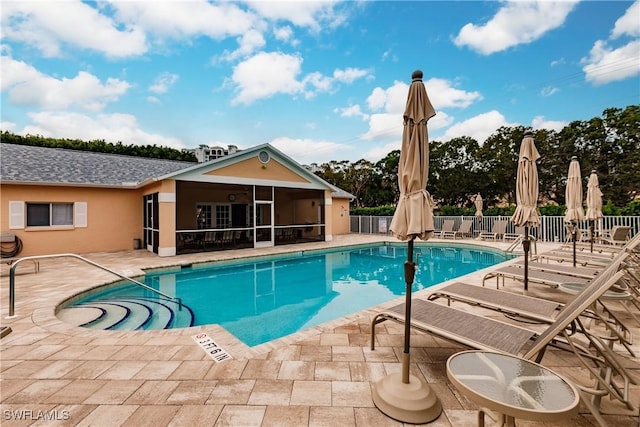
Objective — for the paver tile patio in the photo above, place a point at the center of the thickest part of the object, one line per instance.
(319, 377)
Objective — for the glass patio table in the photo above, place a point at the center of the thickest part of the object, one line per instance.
(512, 387)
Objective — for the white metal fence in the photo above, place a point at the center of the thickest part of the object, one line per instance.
(551, 228)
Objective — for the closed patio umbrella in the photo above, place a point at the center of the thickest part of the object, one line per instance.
(573, 199)
(403, 396)
(594, 203)
(526, 213)
(478, 203)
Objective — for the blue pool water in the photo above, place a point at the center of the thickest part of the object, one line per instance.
(268, 298)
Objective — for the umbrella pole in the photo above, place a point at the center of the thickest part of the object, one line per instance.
(591, 232)
(409, 275)
(573, 237)
(525, 247)
(403, 396)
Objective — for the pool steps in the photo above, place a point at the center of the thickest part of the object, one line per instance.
(129, 313)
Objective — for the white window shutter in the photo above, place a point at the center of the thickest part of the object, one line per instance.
(16, 215)
(80, 214)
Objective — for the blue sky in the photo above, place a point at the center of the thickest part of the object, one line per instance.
(320, 81)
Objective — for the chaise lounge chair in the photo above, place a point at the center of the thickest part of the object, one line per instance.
(489, 334)
(569, 270)
(542, 310)
(497, 231)
(464, 230)
(548, 278)
(618, 235)
(600, 259)
(447, 228)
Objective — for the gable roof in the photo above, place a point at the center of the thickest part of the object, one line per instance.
(26, 164)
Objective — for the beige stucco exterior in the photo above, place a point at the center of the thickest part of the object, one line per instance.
(254, 169)
(115, 217)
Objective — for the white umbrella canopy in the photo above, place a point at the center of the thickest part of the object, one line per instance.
(573, 199)
(526, 213)
(594, 204)
(573, 193)
(478, 202)
(594, 198)
(414, 213)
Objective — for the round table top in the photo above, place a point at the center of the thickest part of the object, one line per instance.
(512, 385)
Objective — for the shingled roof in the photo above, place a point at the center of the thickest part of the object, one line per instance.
(43, 165)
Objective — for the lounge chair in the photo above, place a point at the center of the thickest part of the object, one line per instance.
(517, 234)
(584, 272)
(549, 278)
(464, 230)
(490, 334)
(582, 258)
(447, 228)
(618, 235)
(497, 231)
(542, 310)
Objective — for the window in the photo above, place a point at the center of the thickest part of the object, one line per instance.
(49, 214)
(223, 216)
(203, 215)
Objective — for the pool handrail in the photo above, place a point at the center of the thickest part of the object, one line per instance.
(12, 278)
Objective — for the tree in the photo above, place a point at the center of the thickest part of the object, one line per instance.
(454, 172)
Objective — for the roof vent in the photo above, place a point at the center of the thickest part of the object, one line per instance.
(264, 156)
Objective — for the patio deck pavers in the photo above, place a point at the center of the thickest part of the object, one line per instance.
(322, 376)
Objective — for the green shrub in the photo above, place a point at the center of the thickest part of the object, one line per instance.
(610, 209)
(552, 210)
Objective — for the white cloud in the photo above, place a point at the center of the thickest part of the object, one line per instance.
(248, 43)
(387, 127)
(443, 95)
(629, 23)
(269, 73)
(27, 86)
(392, 102)
(4, 126)
(265, 75)
(284, 33)
(310, 14)
(349, 75)
(549, 90)
(351, 111)
(307, 151)
(515, 23)
(186, 19)
(108, 127)
(163, 82)
(479, 127)
(606, 64)
(47, 26)
(384, 127)
(539, 122)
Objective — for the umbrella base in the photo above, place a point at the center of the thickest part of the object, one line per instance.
(413, 403)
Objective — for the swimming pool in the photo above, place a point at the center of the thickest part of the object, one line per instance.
(259, 300)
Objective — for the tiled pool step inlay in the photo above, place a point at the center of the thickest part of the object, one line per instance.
(134, 313)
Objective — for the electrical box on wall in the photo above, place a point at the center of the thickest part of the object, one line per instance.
(7, 238)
